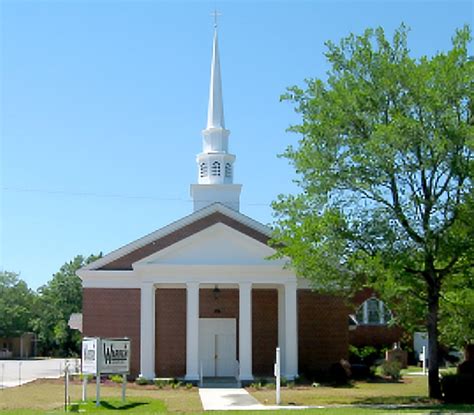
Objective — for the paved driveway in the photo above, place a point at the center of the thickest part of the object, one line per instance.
(16, 372)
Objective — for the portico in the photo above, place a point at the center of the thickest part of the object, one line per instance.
(287, 326)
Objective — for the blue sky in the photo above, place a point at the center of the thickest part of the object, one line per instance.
(103, 102)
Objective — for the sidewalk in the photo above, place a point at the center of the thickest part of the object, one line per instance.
(223, 399)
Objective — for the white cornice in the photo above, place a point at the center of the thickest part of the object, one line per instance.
(174, 226)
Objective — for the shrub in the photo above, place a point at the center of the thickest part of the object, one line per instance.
(189, 385)
(160, 383)
(340, 372)
(360, 371)
(142, 381)
(176, 384)
(365, 355)
(391, 369)
(116, 378)
(262, 381)
(457, 388)
(256, 385)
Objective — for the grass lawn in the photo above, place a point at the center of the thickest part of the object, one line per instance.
(409, 390)
(47, 397)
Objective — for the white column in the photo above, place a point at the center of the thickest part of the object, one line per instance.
(245, 331)
(147, 330)
(291, 331)
(192, 331)
(281, 326)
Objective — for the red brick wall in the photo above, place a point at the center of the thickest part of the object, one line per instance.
(223, 305)
(114, 312)
(322, 331)
(264, 331)
(376, 336)
(170, 332)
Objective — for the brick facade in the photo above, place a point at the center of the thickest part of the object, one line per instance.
(376, 336)
(322, 325)
(264, 331)
(110, 312)
(322, 331)
(170, 332)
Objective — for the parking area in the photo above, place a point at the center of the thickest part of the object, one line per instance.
(18, 372)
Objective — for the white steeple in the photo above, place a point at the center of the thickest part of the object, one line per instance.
(215, 110)
(215, 163)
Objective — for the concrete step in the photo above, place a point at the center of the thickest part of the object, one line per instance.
(226, 382)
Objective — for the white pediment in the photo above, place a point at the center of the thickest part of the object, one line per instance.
(218, 244)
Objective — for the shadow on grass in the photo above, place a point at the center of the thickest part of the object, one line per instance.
(122, 407)
(394, 400)
(431, 408)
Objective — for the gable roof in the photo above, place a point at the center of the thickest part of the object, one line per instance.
(124, 257)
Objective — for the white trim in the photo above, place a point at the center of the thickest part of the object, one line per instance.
(172, 227)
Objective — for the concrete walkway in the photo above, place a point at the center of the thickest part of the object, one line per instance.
(222, 399)
(235, 399)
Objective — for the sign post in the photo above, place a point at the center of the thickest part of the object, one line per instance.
(423, 358)
(105, 357)
(277, 376)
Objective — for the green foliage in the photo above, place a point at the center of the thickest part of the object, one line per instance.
(57, 300)
(385, 165)
(116, 378)
(391, 369)
(142, 381)
(362, 353)
(17, 303)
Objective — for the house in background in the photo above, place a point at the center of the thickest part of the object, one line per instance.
(18, 347)
(200, 298)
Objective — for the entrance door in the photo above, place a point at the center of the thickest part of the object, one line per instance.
(217, 346)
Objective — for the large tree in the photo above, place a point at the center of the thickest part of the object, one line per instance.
(385, 167)
(16, 305)
(58, 299)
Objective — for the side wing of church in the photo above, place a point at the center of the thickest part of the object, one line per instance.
(200, 297)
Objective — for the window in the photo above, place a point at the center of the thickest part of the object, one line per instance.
(228, 170)
(216, 168)
(203, 170)
(373, 311)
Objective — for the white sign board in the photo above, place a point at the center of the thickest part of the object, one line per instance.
(115, 356)
(105, 356)
(90, 349)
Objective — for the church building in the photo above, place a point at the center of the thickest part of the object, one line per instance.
(200, 298)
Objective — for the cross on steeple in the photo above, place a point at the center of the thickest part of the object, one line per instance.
(215, 14)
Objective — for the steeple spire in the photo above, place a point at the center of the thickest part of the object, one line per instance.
(215, 163)
(215, 111)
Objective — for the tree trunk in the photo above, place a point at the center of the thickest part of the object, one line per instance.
(434, 386)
